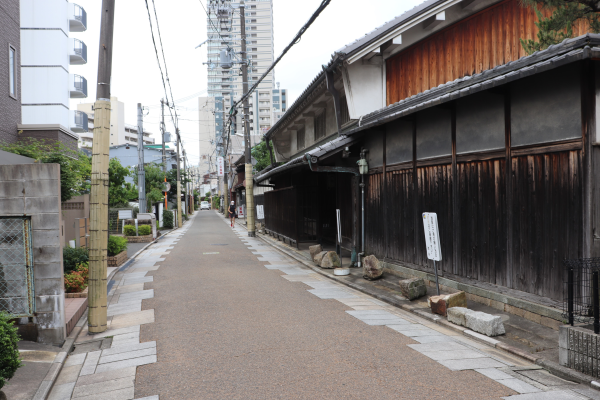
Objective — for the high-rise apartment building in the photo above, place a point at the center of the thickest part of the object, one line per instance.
(120, 132)
(225, 84)
(47, 52)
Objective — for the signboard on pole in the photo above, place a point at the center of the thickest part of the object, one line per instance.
(260, 212)
(432, 236)
(125, 214)
(339, 226)
(241, 212)
(220, 166)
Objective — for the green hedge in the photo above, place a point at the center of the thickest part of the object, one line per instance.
(129, 230)
(10, 360)
(73, 257)
(168, 219)
(116, 244)
(144, 230)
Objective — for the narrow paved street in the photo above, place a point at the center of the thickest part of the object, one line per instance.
(235, 319)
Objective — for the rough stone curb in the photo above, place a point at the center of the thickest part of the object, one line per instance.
(554, 368)
(48, 383)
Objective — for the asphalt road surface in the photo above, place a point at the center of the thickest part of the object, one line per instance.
(228, 328)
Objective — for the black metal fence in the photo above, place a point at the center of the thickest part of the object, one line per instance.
(581, 295)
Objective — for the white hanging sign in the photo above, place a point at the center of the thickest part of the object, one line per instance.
(260, 212)
(220, 166)
(240, 212)
(432, 236)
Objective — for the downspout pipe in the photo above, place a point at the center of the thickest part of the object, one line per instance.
(312, 160)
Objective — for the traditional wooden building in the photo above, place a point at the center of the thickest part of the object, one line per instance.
(453, 117)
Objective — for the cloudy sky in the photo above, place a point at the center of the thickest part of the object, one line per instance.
(136, 76)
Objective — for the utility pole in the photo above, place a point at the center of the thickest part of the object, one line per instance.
(164, 152)
(249, 179)
(99, 180)
(141, 171)
(187, 192)
(224, 153)
(178, 182)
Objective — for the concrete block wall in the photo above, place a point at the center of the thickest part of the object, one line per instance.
(579, 349)
(33, 190)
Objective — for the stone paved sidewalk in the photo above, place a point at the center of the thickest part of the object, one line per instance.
(447, 347)
(103, 366)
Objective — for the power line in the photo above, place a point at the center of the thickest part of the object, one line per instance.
(219, 33)
(162, 49)
(296, 39)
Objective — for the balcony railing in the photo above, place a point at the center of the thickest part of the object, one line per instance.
(79, 121)
(77, 18)
(78, 52)
(79, 87)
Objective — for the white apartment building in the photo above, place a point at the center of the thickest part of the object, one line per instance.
(268, 107)
(47, 52)
(225, 85)
(120, 132)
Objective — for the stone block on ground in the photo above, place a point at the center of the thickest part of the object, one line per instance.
(314, 250)
(457, 315)
(490, 325)
(413, 288)
(330, 260)
(440, 304)
(319, 257)
(458, 299)
(437, 304)
(372, 268)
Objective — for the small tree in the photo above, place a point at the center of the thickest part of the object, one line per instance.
(120, 192)
(559, 26)
(261, 154)
(10, 359)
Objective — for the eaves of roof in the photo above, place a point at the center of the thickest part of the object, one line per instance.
(566, 52)
(569, 51)
(319, 151)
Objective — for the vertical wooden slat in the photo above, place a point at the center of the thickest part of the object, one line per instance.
(480, 42)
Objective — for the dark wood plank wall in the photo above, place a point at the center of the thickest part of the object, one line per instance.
(481, 42)
(482, 235)
(281, 212)
(547, 219)
(374, 234)
(546, 211)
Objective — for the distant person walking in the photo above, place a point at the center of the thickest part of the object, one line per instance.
(232, 213)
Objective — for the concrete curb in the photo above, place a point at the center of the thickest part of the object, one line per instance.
(554, 368)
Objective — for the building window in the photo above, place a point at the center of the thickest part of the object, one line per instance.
(320, 126)
(12, 71)
(300, 139)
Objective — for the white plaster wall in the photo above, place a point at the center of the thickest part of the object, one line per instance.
(363, 84)
(45, 14)
(46, 115)
(44, 47)
(44, 85)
